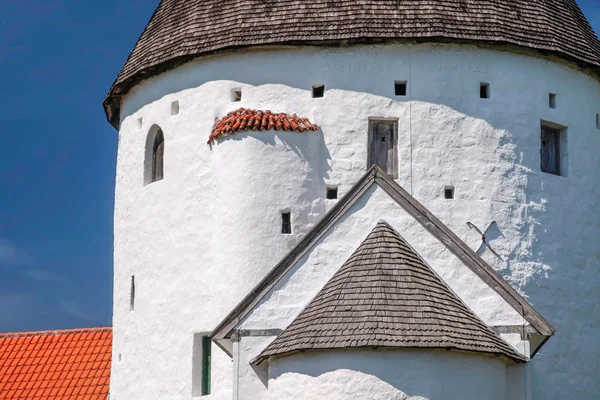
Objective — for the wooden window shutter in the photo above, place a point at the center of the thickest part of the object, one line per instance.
(383, 143)
(206, 356)
(550, 151)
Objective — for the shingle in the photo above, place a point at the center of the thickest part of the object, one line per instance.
(180, 30)
(55, 361)
(341, 316)
(256, 120)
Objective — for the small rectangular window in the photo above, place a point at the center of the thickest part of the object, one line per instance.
(449, 192)
(400, 88)
(132, 294)
(550, 150)
(484, 90)
(286, 223)
(318, 91)
(598, 121)
(332, 193)
(175, 108)
(552, 100)
(236, 95)
(201, 365)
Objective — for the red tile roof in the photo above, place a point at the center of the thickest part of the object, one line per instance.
(256, 120)
(73, 364)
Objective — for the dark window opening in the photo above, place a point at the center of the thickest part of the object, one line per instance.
(598, 121)
(449, 192)
(484, 90)
(332, 193)
(400, 88)
(318, 91)
(132, 294)
(383, 143)
(552, 100)
(236, 95)
(550, 150)
(286, 223)
(158, 152)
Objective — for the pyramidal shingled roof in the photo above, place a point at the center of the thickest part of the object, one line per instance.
(180, 30)
(385, 295)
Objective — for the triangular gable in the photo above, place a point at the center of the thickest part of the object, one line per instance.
(386, 296)
(375, 176)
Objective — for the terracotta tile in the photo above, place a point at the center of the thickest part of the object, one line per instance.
(51, 365)
(245, 119)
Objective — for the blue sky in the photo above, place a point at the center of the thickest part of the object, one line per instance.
(58, 59)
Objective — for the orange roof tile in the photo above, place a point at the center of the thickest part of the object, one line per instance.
(47, 364)
(257, 120)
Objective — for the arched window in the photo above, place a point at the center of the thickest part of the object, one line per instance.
(155, 153)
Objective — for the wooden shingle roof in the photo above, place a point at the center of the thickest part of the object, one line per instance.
(386, 296)
(180, 30)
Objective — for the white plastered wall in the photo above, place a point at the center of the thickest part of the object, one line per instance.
(200, 239)
(386, 375)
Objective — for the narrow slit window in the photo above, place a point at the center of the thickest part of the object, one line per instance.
(400, 88)
(318, 91)
(550, 152)
(132, 294)
(484, 90)
(332, 193)
(552, 100)
(286, 223)
(236, 95)
(598, 121)
(449, 192)
(201, 365)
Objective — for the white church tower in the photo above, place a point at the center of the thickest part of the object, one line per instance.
(346, 200)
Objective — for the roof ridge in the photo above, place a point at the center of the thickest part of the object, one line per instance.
(57, 332)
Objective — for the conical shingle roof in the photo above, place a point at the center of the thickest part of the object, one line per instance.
(385, 295)
(180, 30)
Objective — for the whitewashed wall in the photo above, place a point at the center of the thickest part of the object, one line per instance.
(200, 239)
(386, 375)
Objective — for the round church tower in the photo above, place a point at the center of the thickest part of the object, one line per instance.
(242, 122)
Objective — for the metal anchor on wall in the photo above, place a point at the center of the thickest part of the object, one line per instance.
(484, 239)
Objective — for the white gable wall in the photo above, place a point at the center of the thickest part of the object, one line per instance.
(293, 292)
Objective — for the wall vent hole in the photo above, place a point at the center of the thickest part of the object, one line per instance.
(175, 108)
(236, 94)
(332, 193)
(552, 100)
(484, 90)
(318, 91)
(400, 88)
(286, 223)
(449, 192)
